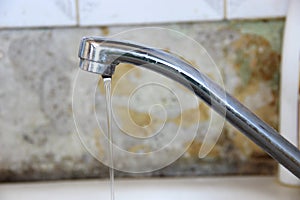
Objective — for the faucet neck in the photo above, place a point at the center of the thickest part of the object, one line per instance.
(99, 55)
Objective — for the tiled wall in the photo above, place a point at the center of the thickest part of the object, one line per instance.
(45, 13)
(38, 139)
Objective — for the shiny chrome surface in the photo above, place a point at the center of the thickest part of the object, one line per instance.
(100, 55)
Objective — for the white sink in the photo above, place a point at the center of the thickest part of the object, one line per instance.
(166, 189)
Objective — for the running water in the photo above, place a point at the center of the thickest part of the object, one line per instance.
(107, 87)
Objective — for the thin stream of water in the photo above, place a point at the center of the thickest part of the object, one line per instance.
(107, 87)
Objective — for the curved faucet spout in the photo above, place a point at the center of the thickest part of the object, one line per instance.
(101, 56)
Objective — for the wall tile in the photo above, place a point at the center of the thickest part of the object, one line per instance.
(36, 13)
(237, 9)
(103, 12)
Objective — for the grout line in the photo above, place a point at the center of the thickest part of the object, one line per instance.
(298, 124)
(77, 12)
(225, 9)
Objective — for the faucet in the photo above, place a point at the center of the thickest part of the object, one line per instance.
(101, 56)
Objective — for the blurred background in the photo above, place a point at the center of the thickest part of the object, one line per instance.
(39, 43)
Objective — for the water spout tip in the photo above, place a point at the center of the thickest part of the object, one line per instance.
(93, 58)
(95, 67)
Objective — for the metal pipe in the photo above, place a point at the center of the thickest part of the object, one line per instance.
(100, 55)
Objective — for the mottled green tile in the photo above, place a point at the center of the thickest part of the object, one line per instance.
(37, 133)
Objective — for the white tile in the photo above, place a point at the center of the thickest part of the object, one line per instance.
(107, 12)
(34, 13)
(243, 9)
(212, 188)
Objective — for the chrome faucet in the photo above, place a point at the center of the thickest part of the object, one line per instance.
(101, 56)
